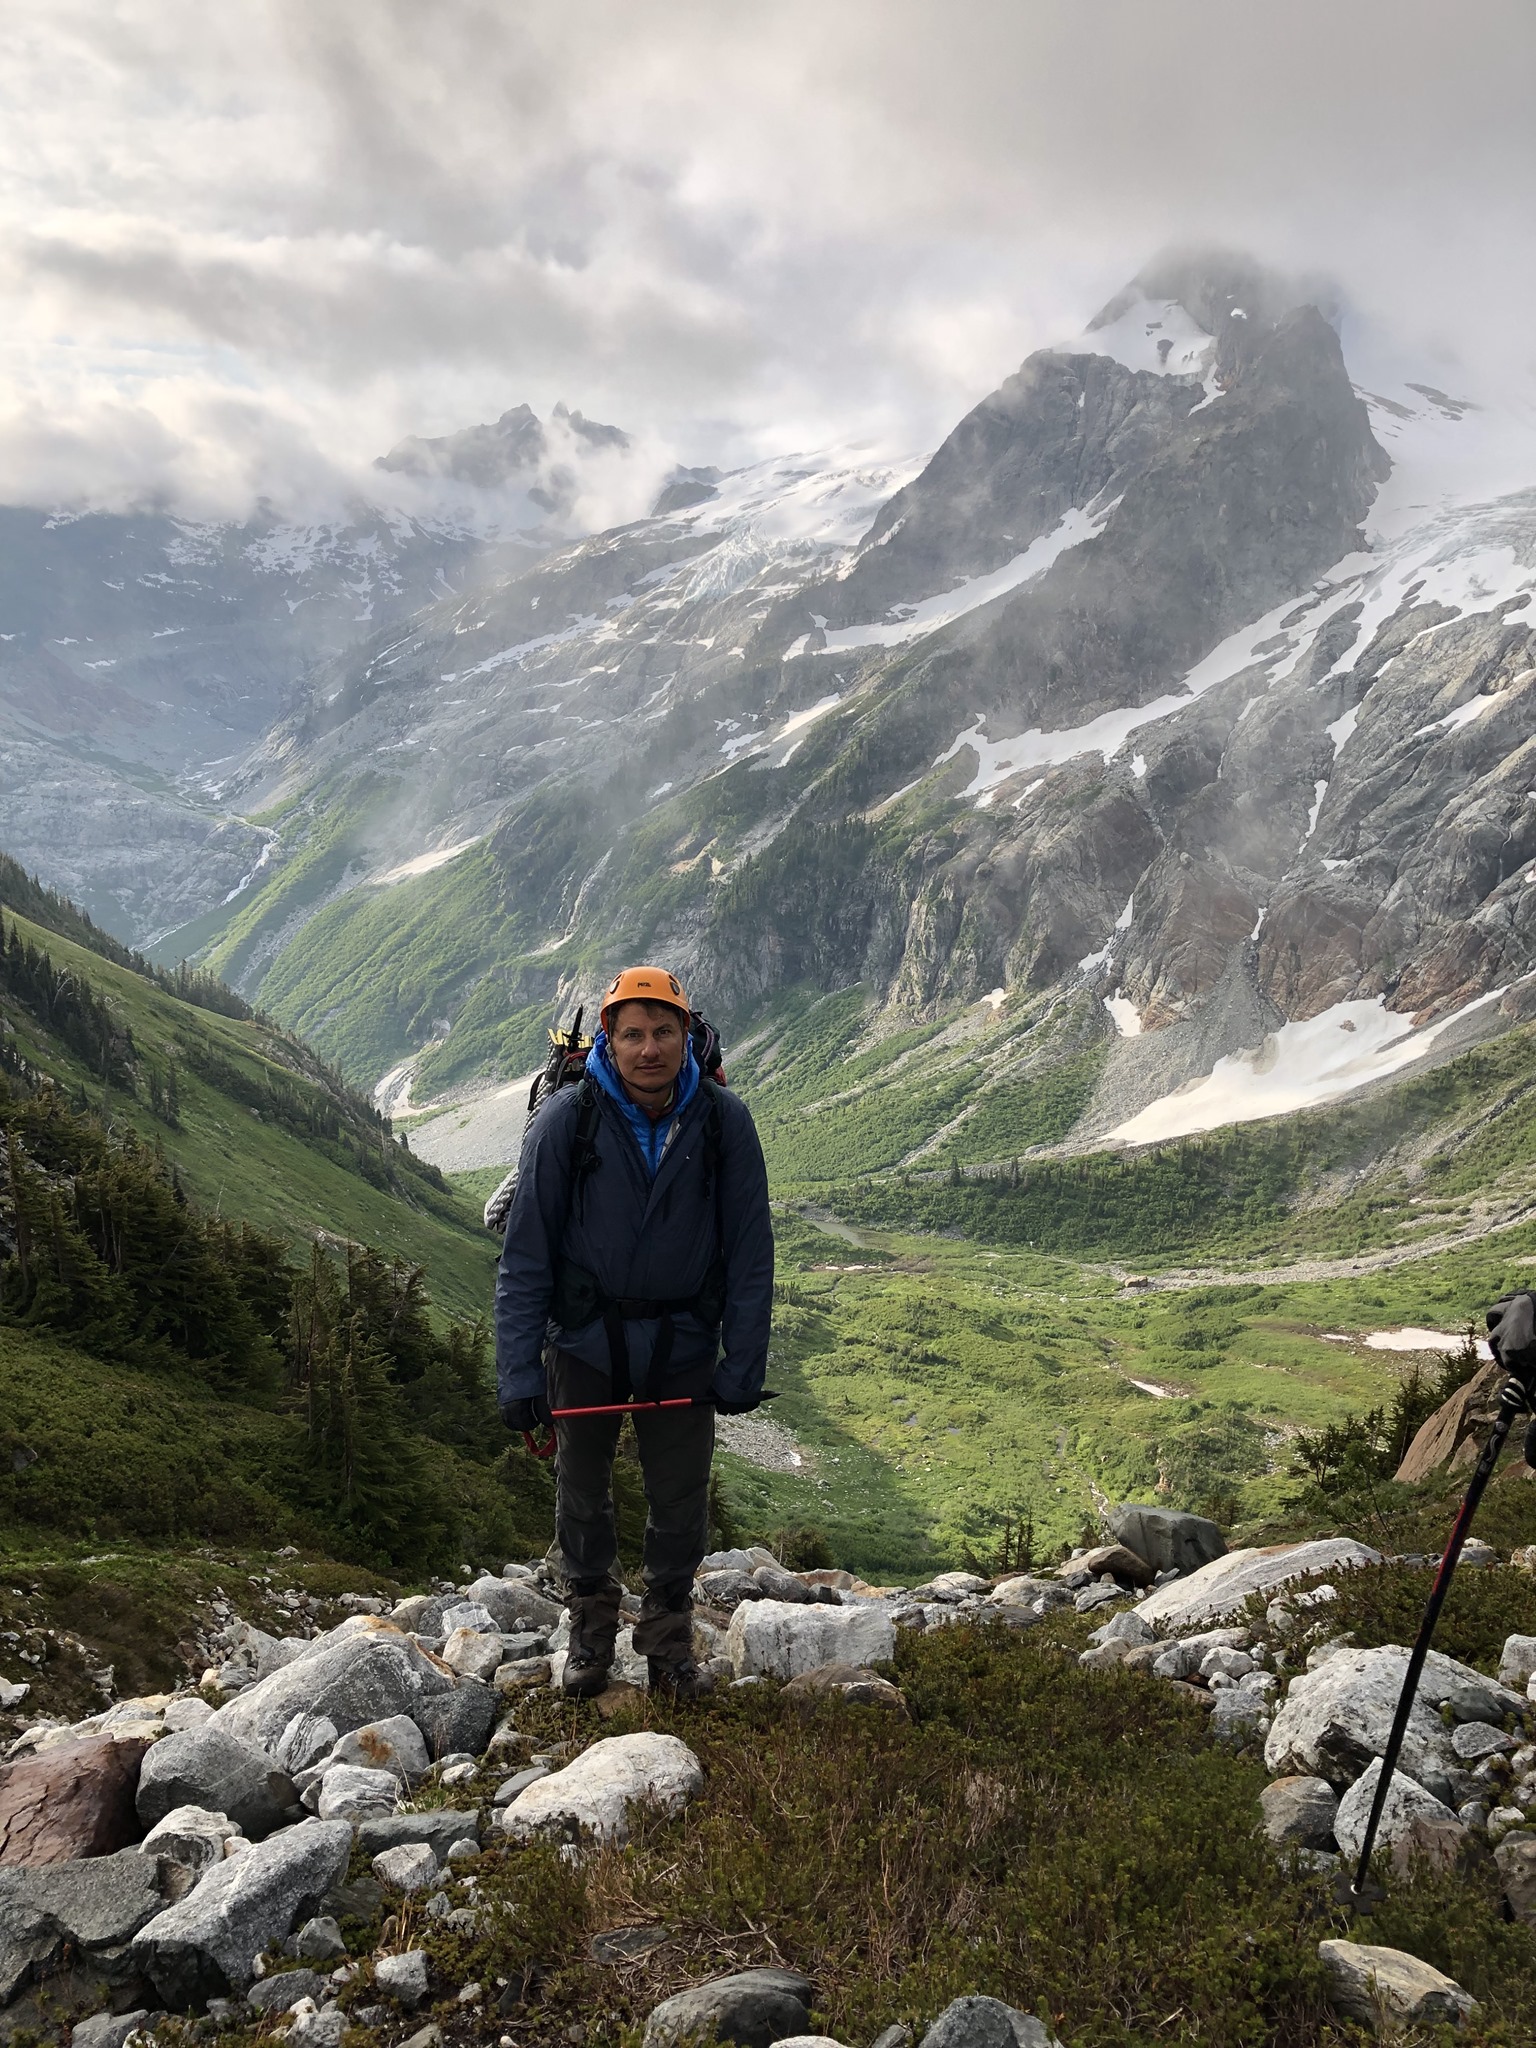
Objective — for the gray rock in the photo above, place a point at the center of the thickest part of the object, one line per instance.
(1373, 1985)
(394, 1745)
(362, 1899)
(192, 1837)
(509, 1788)
(1413, 1822)
(1515, 1858)
(1230, 1663)
(403, 1977)
(898, 2035)
(1238, 1717)
(208, 1943)
(624, 1944)
(214, 1767)
(306, 1739)
(319, 1940)
(728, 1588)
(1225, 1585)
(1473, 1740)
(1518, 1663)
(317, 2029)
(987, 2023)
(774, 1583)
(408, 1867)
(1336, 1719)
(1299, 1811)
(106, 2029)
(94, 1906)
(514, 1604)
(364, 1671)
(350, 1792)
(439, 1829)
(460, 1720)
(283, 1991)
(1168, 1541)
(1126, 1627)
(754, 2008)
(593, 1794)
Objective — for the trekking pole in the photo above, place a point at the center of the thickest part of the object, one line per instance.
(547, 1449)
(1513, 1401)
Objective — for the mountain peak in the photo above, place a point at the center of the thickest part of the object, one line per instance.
(493, 454)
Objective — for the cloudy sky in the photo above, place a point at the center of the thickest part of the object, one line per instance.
(245, 247)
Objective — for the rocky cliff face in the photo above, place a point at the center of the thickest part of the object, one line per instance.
(1179, 681)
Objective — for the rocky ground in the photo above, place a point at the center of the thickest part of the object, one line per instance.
(339, 1833)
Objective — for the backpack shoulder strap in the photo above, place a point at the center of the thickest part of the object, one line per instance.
(714, 1135)
(584, 1156)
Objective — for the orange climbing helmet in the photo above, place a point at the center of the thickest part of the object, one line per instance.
(645, 985)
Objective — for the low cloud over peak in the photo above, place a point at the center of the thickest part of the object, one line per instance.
(247, 250)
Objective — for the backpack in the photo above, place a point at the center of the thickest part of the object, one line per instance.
(566, 1068)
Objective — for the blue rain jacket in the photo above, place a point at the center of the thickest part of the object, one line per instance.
(644, 1226)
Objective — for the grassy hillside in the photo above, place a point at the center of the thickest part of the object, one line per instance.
(261, 1130)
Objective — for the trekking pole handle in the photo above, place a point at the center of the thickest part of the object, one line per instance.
(1512, 1402)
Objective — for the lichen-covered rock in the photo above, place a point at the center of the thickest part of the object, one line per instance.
(593, 1795)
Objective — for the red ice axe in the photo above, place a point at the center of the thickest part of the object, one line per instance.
(547, 1448)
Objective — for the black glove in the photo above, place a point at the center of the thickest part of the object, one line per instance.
(1512, 1333)
(741, 1405)
(526, 1415)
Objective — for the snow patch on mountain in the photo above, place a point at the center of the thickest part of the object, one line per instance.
(1299, 1066)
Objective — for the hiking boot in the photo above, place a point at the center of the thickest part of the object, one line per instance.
(682, 1681)
(594, 1612)
(585, 1674)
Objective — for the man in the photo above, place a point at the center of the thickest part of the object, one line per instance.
(638, 1265)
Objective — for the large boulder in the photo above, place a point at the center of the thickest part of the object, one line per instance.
(593, 1794)
(754, 2008)
(777, 1639)
(1455, 1434)
(1168, 1541)
(207, 1944)
(1376, 1985)
(366, 1670)
(216, 1768)
(987, 2023)
(1414, 1824)
(1223, 1586)
(88, 1911)
(1336, 1719)
(394, 1745)
(73, 1801)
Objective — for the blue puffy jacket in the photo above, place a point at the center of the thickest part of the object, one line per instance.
(644, 1225)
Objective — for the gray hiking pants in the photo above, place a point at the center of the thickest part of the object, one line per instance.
(677, 1446)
